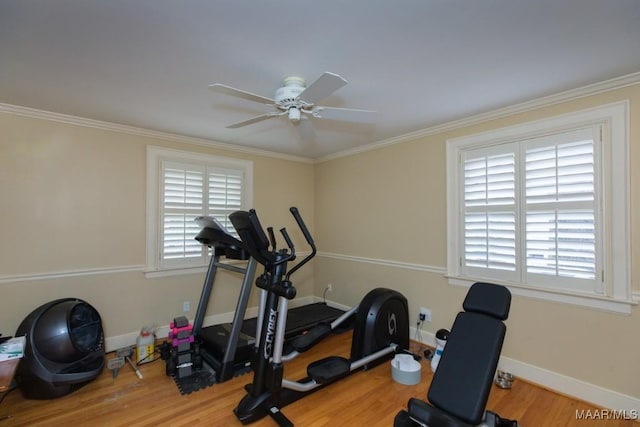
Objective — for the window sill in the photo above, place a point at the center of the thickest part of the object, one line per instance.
(618, 306)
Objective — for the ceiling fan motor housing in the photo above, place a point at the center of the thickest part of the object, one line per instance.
(287, 96)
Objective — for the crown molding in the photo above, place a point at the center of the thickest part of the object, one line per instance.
(581, 92)
(132, 130)
(545, 101)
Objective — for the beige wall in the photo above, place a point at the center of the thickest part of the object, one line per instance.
(73, 198)
(389, 206)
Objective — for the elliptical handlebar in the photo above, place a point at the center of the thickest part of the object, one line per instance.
(303, 227)
(272, 237)
(252, 235)
(287, 239)
(305, 231)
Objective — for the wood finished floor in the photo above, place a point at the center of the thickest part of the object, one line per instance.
(368, 398)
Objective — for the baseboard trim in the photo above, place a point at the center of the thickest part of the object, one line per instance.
(554, 381)
(570, 386)
(126, 340)
(573, 387)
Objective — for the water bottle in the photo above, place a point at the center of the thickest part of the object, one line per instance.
(441, 341)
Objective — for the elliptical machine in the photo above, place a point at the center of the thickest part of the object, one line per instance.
(381, 327)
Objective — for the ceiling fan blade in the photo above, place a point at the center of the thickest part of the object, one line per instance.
(255, 119)
(344, 114)
(228, 90)
(324, 86)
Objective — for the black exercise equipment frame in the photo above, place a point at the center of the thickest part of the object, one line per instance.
(270, 391)
(460, 387)
(224, 244)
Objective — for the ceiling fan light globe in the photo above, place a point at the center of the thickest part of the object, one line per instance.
(294, 115)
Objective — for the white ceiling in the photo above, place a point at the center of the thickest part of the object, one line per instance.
(418, 63)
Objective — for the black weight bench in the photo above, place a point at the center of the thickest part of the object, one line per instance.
(461, 384)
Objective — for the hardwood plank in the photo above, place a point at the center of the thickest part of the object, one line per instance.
(368, 398)
(7, 371)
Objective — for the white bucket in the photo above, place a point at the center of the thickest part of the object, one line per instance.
(405, 370)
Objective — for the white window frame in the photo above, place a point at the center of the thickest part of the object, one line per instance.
(156, 157)
(616, 294)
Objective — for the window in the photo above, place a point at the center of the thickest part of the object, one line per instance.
(182, 185)
(543, 207)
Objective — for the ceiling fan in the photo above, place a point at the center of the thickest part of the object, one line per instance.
(297, 101)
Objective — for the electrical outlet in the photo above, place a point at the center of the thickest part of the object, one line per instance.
(186, 306)
(330, 287)
(426, 312)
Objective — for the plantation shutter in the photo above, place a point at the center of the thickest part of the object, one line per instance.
(560, 198)
(529, 211)
(182, 201)
(490, 210)
(225, 195)
(189, 191)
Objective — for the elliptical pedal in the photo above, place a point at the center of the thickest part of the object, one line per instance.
(304, 342)
(329, 369)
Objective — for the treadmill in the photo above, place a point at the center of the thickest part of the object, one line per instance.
(227, 348)
(224, 347)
